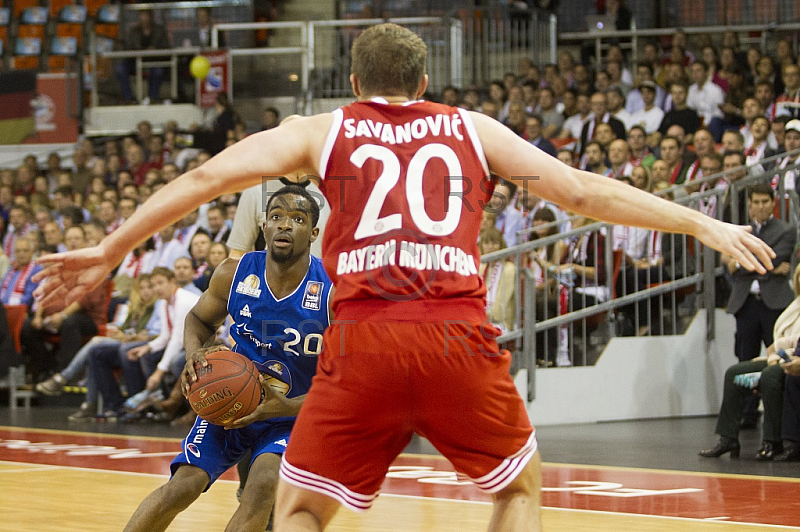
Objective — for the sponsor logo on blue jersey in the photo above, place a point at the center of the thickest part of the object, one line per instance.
(250, 286)
(312, 298)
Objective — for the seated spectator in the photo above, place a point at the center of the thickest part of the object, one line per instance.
(516, 118)
(573, 125)
(217, 253)
(642, 178)
(218, 229)
(95, 232)
(500, 278)
(619, 157)
(146, 35)
(19, 225)
(168, 248)
(787, 103)
(140, 325)
(616, 106)
(681, 113)
(599, 106)
(651, 116)
(198, 249)
(552, 120)
(770, 384)
(566, 156)
(759, 149)
(533, 133)
(70, 322)
(17, 287)
(640, 152)
(185, 274)
(791, 143)
(139, 261)
(644, 72)
(509, 219)
(107, 214)
(732, 141)
(596, 159)
(672, 155)
(705, 96)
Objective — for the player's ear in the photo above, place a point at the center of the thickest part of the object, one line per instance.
(355, 85)
(423, 86)
(314, 234)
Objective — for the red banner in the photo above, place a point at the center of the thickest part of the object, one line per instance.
(217, 80)
(53, 113)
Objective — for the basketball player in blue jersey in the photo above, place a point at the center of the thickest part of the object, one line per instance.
(278, 299)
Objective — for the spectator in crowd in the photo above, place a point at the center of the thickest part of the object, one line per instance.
(616, 106)
(640, 152)
(146, 35)
(732, 141)
(552, 119)
(642, 178)
(759, 149)
(644, 73)
(705, 96)
(771, 376)
(95, 231)
(516, 117)
(185, 274)
(533, 133)
(168, 249)
(672, 155)
(70, 322)
(270, 119)
(19, 225)
(619, 156)
(54, 238)
(651, 116)
(17, 287)
(596, 159)
(509, 219)
(758, 300)
(604, 135)
(218, 229)
(791, 143)
(573, 125)
(500, 278)
(213, 139)
(599, 106)
(680, 114)
(788, 103)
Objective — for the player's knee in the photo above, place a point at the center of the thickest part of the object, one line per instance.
(527, 483)
(184, 487)
(261, 485)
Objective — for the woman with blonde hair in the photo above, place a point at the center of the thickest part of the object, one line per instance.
(500, 278)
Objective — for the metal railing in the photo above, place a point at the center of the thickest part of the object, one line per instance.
(467, 46)
(568, 306)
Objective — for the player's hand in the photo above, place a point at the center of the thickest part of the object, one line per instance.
(69, 276)
(272, 405)
(737, 241)
(196, 359)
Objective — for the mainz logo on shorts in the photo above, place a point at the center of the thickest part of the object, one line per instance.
(313, 296)
(192, 448)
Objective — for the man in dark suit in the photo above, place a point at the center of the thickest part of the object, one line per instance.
(533, 134)
(599, 104)
(758, 300)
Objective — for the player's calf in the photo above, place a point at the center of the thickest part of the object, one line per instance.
(258, 496)
(517, 507)
(157, 511)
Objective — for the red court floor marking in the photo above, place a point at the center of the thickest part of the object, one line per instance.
(739, 498)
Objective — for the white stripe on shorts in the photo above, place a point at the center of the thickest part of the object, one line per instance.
(310, 481)
(509, 469)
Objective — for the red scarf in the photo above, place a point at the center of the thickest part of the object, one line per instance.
(19, 286)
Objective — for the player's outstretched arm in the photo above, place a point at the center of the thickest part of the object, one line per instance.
(609, 200)
(265, 155)
(204, 319)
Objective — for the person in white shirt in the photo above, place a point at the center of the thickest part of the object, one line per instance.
(168, 249)
(172, 315)
(574, 124)
(651, 116)
(705, 96)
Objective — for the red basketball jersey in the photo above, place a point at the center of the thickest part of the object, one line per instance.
(406, 185)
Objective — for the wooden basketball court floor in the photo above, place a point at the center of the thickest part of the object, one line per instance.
(91, 479)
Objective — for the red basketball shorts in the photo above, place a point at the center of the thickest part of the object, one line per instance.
(378, 383)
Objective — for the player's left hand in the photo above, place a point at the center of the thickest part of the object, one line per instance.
(737, 241)
(71, 275)
(272, 405)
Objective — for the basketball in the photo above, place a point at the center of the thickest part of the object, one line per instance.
(227, 389)
(199, 66)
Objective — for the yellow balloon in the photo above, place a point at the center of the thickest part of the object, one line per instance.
(199, 66)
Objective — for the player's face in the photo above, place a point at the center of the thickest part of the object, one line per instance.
(288, 230)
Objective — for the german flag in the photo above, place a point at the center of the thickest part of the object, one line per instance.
(17, 89)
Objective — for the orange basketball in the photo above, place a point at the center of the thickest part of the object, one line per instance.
(227, 389)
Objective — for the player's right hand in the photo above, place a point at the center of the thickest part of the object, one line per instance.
(194, 360)
(69, 276)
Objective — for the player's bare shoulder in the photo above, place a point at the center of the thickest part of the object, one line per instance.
(222, 278)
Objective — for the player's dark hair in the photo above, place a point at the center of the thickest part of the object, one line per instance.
(297, 190)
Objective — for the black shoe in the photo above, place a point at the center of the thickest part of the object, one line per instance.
(748, 423)
(769, 450)
(791, 453)
(724, 445)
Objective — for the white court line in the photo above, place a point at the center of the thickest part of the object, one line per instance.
(419, 497)
(601, 512)
(29, 469)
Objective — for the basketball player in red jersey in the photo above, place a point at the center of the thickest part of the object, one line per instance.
(411, 351)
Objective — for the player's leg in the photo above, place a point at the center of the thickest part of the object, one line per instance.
(159, 508)
(258, 496)
(301, 510)
(517, 506)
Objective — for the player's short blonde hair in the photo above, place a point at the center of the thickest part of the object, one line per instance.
(389, 60)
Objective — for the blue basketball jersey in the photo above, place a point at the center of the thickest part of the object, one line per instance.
(282, 337)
